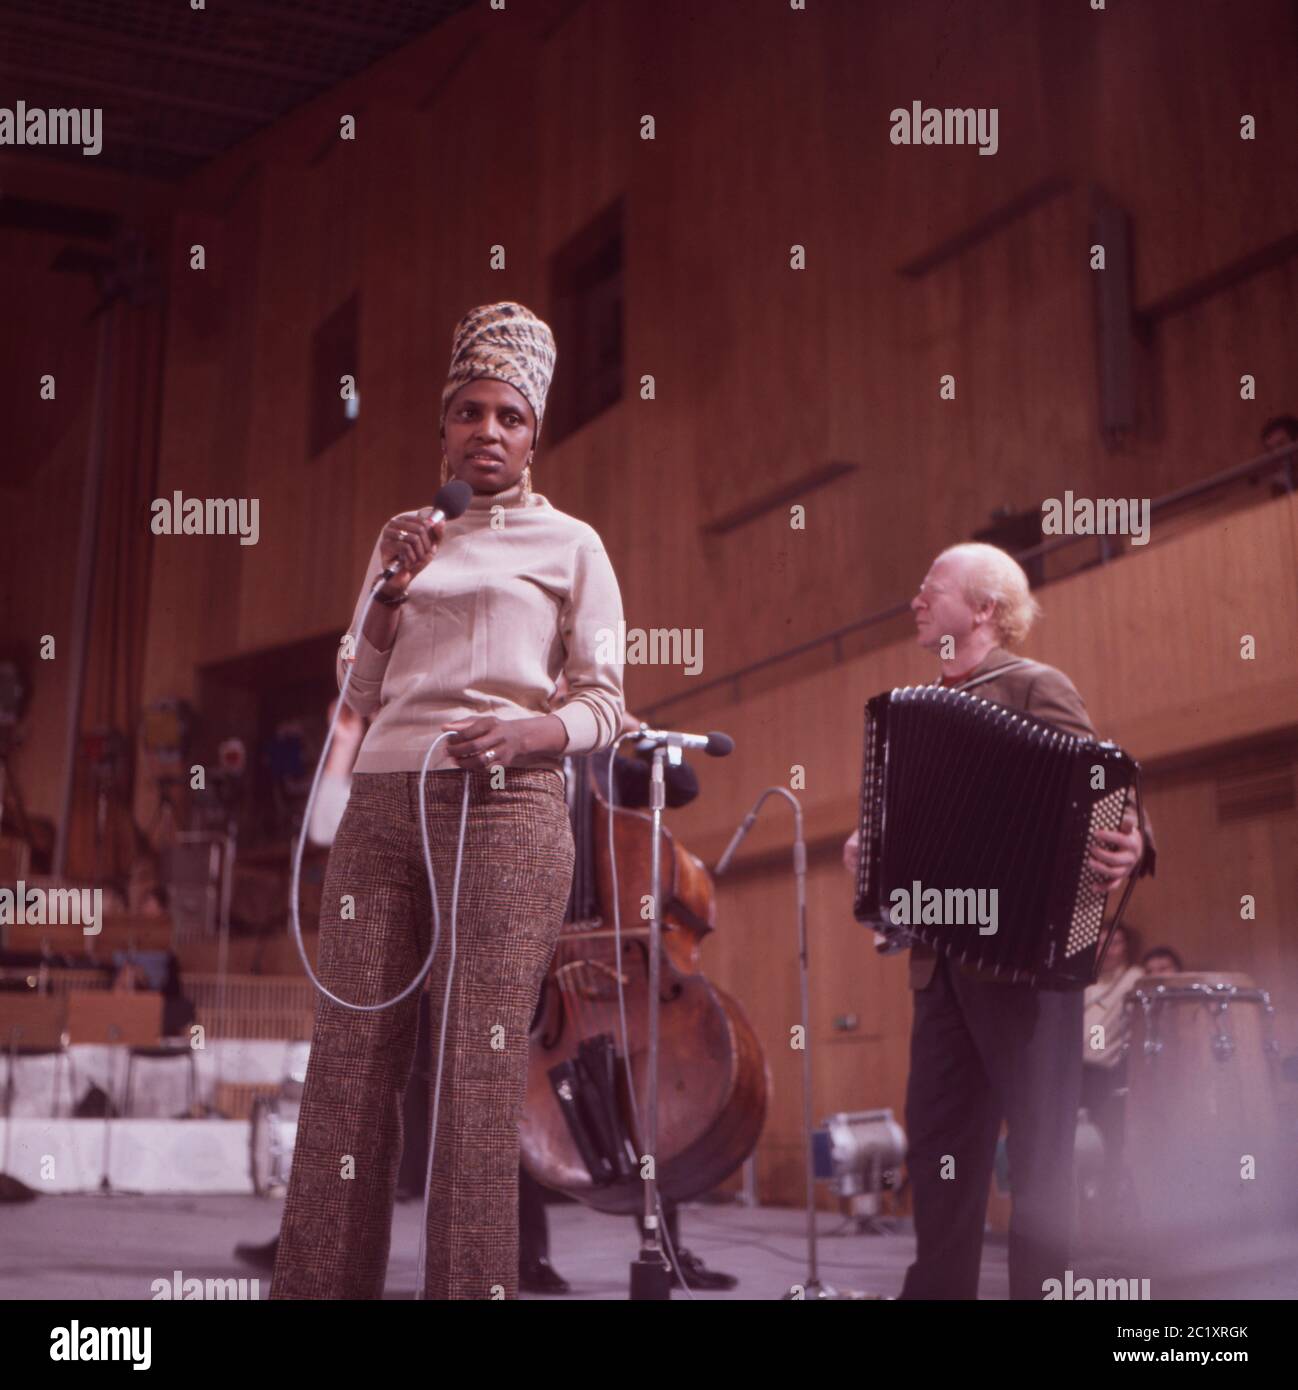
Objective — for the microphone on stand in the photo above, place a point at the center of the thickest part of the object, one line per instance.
(812, 1288)
(715, 745)
(650, 1274)
(452, 500)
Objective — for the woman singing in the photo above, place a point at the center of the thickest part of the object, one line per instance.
(471, 635)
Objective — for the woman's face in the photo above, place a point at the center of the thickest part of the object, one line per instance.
(488, 434)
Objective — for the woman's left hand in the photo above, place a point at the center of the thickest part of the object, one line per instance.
(488, 742)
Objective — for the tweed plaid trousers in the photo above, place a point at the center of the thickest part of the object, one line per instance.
(375, 929)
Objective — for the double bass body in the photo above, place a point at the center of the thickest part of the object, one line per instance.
(578, 1131)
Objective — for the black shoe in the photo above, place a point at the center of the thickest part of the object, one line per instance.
(698, 1275)
(540, 1276)
(259, 1256)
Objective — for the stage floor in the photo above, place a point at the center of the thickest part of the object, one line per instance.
(88, 1247)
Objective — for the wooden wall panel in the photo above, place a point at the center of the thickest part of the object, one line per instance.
(763, 373)
(1171, 147)
(211, 389)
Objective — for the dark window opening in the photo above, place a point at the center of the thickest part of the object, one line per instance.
(334, 354)
(586, 291)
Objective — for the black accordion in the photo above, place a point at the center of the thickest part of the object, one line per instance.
(976, 825)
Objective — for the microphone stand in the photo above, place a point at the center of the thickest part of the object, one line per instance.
(106, 1188)
(651, 1276)
(812, 1288)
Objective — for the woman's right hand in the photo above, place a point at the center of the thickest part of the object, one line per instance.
(410, 539)
(852, 853)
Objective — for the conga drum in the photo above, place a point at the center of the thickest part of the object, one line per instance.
(1202, 1124)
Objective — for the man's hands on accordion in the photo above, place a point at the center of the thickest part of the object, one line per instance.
(1117, 852)
(852, 863)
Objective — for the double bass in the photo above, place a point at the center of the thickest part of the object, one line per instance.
(579, 1132)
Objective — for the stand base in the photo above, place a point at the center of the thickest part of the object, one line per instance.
(651, 1276)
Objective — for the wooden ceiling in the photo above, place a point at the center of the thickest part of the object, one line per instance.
(179, 86)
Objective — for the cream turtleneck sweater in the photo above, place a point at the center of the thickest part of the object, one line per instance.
(517, 593)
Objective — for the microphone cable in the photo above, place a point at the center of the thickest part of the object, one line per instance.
(295, 893)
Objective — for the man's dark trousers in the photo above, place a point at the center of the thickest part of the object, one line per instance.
(981, 1052)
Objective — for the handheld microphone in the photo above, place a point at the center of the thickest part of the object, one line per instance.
(452, 500)
(715, 745)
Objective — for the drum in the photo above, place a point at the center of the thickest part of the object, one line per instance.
(1202, 1123)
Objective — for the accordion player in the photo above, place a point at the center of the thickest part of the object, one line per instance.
(965, 804)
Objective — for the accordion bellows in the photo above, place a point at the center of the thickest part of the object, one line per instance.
(976, 825)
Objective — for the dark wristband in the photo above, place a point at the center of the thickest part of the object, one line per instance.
(392, 602)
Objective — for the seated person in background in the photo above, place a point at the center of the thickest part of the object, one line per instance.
(129, 978)
(1104, 1065)
(1278, 431)
(1161, 960)
(160, 971)
(178, 1012)
(1103, 1026)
